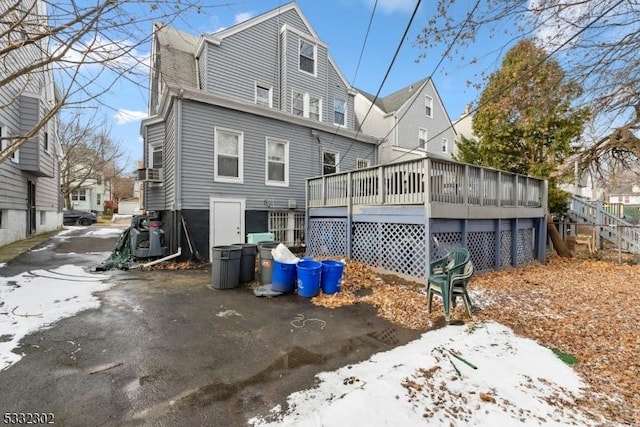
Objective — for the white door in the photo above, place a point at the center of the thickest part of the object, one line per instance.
(226, 223)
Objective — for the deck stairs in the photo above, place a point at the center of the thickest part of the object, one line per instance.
(607, 224)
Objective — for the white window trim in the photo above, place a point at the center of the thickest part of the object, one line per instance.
(267, 182)
(345, 112)
(426, 139)
(15, 156)
(218, 178)
(337, 153)
(428, 101)
(315, 56)
(75, 195)
(445, 145)
(264, 86)
(152, 148)
(306, 103)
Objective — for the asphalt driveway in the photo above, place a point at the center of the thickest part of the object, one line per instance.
(187, 354)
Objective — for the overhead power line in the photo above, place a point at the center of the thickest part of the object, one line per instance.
(509, 86)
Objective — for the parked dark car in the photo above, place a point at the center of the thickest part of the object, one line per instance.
(75, 217)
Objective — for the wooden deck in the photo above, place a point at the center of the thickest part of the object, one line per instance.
(430, 205)
(442, 187)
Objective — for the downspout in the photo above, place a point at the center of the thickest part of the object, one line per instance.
(157, 261)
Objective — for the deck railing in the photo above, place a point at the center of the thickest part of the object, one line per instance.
(426, 180)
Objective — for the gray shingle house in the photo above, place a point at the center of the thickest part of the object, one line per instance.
(412, 121)
(30, 201)
(237, 121)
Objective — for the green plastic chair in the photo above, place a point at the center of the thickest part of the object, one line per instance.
(448, 278)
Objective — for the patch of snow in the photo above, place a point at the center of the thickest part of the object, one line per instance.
(516, 381)
(3, 264)
(44, 248)
(105, 232)
(36, 299)
(228, 313)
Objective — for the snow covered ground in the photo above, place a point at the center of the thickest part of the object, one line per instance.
(508, 380)
(38, 298)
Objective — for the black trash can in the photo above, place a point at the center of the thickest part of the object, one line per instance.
(247, 261)
(265, 261)
(225, 267)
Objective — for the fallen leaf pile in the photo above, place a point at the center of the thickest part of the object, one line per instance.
(586, 308)
(179, 265)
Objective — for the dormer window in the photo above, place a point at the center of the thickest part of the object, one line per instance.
(307, 57)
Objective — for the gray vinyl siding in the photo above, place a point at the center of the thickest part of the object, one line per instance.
(301, 81)
(12, 185)
(154, 193)
(32, 157)
(48, 192)
(29, 115)
(414, 117)
(198, 185)
(336, 90)
(169, 158)
(247, 57)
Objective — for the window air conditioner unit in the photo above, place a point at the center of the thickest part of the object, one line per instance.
(150, 175)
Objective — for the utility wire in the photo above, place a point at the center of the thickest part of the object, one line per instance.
(355, 75)
(364, 43)
(442, 58)
(505, 88)
(395, 55)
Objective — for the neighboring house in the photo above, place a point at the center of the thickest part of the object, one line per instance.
(30, 198)
(464, 125)
(628, 198)
(412, 121)
(237, 121)
(91, 195)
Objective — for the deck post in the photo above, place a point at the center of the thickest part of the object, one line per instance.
(306, 216)
(498, 247)
(499, 189)
(514, 242)
(381, 195)
(464, 236)
(482, 187)
(599, 222)
(541, 240)
(349, 218)
(465, 186)
(427, 215)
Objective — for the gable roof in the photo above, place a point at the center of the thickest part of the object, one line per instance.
(397, 99)
(217, 38)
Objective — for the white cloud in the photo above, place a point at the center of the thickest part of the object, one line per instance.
(123, 116)
(243, 16)
(119, 55)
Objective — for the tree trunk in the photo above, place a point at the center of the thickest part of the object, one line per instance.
(556, 239)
